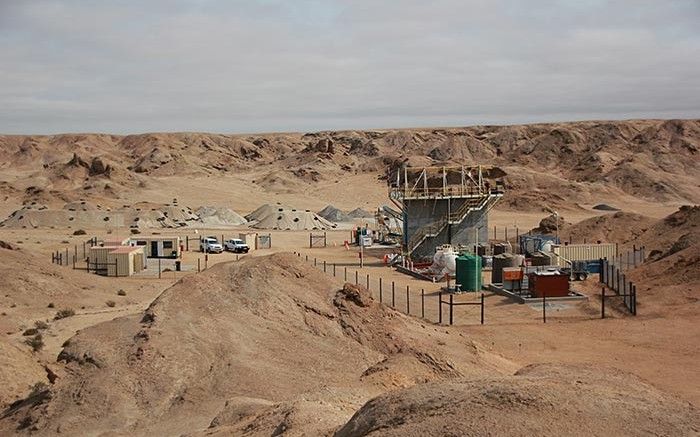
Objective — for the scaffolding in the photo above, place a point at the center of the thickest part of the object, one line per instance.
(465, 189)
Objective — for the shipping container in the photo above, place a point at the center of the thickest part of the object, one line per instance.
(548, 283)
(582, 252)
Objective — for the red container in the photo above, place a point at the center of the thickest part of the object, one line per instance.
(549, 284)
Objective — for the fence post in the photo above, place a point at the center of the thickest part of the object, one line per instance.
(324, 239)
(324, 266)
(393, 300)
(199, 265)
(307, 258)
(346, 274)
(544, 307)
(408, 302)
(380, 289)
(159, 268)
(452, 295)
(422, 303)
(334, 270)
(368, 281)
(602, 304)
(314, 262)
(311, 244)
(440, 306)
(634, 300)
(482, 308)
(357, 276)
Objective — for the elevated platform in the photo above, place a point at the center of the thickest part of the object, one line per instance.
(443, 205)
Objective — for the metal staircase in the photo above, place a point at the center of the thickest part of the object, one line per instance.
(435, 228)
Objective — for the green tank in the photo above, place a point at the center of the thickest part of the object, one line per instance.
(468, 272)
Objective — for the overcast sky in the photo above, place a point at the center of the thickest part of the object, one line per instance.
(296, 65)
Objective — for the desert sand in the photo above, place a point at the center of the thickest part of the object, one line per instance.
(270, 344)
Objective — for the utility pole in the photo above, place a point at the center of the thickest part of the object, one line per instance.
(362, 252)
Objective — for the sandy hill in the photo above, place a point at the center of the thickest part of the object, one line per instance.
(557, 164)
(542, 400)
(671, 275)
(620, 227)
(33, 289)
(216, 350)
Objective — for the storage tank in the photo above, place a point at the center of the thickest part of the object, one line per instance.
(469, 272)
(444, 260)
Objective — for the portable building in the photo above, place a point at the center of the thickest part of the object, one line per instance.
(97, 258)
(126, 260)
(158, 246)
(582, 252)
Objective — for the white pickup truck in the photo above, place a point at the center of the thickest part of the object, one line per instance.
(236, 245)
(210, 245)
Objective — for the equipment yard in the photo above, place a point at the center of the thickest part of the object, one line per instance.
(286, 311)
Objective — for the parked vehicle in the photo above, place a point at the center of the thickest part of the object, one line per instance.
(580, 270)
(236, 245)
(210, 245)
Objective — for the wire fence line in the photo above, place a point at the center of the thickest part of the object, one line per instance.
(426, 305)
(611, 275)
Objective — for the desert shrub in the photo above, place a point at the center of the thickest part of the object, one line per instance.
(30, 331)
(135, 231)
(111, 303)
(51, 305)
(79, 232)
(121, 293)
(26, 422)
(36, 342)
(62, 314)
(40, 324)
